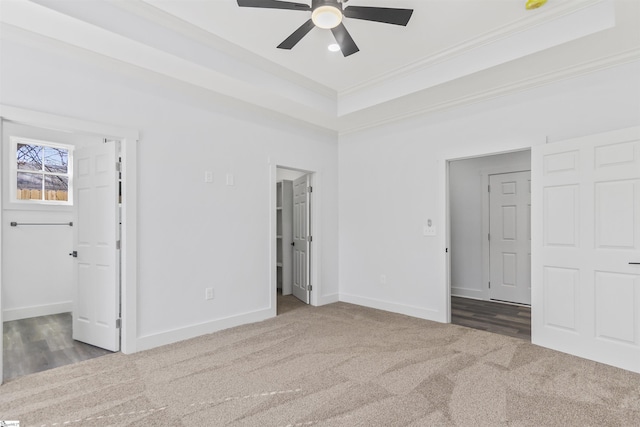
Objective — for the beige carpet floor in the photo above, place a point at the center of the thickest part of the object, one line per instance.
(337, 365)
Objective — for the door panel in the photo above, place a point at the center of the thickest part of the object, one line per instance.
(301, 244)
(561, 224)
(586, 294)
(615, 214)
(509, 245)
(615, 308)
(96, 229)
(561, 297)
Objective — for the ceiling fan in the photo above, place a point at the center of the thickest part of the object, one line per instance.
(328, 14)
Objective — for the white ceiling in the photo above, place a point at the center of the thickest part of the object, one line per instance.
(452, 51)
(435, 26)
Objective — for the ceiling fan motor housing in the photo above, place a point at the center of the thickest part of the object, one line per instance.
(334, 3)
(328, 14)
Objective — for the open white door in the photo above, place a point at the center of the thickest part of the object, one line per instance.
(510, 241)
(586, 239)
(301, 238)
(96, 304)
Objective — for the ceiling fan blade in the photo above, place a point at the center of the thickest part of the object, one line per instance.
(273, 4)
(346, 43)
(379, 14)
(297, 35)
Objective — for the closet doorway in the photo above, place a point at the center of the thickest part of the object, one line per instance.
(293, 238)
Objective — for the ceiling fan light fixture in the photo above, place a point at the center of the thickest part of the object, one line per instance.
(534, 4)
(334, 47)
(326, 17)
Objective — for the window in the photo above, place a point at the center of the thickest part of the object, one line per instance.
(42, 172)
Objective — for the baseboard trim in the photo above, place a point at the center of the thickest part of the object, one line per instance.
(408, 310)
(10, 314)
(328, 299)
(169, 337)
(623, 360)
(467, 293)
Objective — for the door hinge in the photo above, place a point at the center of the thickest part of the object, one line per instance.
(489, 285)
(309, 189)
(309, 238)
(118, 323)
(489, 188)
(489, 236)
(118, 167)
(309, 288)
(117, 244)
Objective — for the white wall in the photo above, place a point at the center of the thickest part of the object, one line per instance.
(466, 192)
(37, 270)
(392, 178)
(191, 234)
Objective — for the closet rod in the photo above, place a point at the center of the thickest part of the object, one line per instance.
(15, 224)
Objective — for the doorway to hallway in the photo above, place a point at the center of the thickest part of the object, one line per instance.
(490, 267)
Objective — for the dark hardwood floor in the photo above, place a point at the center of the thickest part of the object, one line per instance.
(505, 319)
(41, 343)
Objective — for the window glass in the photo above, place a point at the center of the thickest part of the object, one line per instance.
(55, 159)
(42, 172)
(29, 186)
(56, 188)
(29, 157)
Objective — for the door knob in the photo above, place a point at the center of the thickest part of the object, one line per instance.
(634, 263)
(74, 254)
(293, 243)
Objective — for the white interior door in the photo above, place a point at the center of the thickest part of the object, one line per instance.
(586, 224)
(96, 228)
(510, 237)
(301, 238)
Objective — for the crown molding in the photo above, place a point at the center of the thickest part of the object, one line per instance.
(33, 19)
(151, 13)
(111, 48)
(522, 25)
(612, 61)
(205, 97)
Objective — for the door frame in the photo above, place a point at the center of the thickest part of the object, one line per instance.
(445, 240)
(315, 181)
(129, 141)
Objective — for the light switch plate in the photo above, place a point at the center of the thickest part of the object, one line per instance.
(208, 177)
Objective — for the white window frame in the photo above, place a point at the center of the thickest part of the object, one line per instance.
(13, 171)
